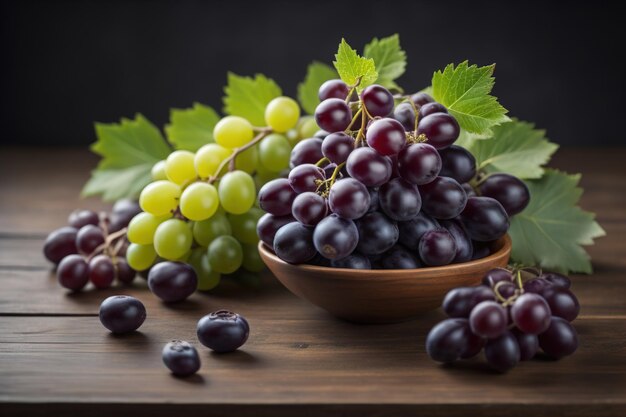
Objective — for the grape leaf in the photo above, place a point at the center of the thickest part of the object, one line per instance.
(464, 90)
(247, 96)
(551, 230)
(352, 67)
(516, 148)
(389, 58)
(189, 129)
(128, 150)
(316, 74)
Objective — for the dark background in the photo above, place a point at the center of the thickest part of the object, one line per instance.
(66, 64)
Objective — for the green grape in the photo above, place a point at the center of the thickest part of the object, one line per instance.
(140, 257)
(244, 225)
(233, 132)
(159, 198)
(274, 152)
(307, 127)
(248, 160)
(158, 171)
(225, 254)
(293, 137)
(237, 192)
(199, 201)
(185, 257)
(142, 227)
(251, 259)
(208, 159)
(172, 239)
(263, 176)
(282, 113)
(207, 278)
(206, 230)
(179, 167)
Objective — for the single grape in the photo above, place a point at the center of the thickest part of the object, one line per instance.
(142, 227)
(502, 353)
(223, 331)
(443, 198)
(431, 108)
(369, 167)
(464, 247)
(496, 275)
(488, 319)
(448, 340)
(386, 136)
(440, 129)
(140, 257)
(158, 171)
(531, 313)
(307, 127)
(160, 197)
(506, 289)
(181, 358)
(484, 219)
(421, 98)
(377, 100)
(172, 281)
(460, 301)
(309, 208)
(307, 151)
(73, 272)
(335, 237)
(207, 277)
(337, 147)
(122, 314)
(557, 280)
(437, 247)
(199, 201)
(306, 177)
(560, 339)
(536, 285)
(400, 199)
(528, 344)
(458, 163)
(248, 160)
(208, 158)
(206, 231)
(268, 225)
(321, 134)
(405, 114)
(274, 152)
(89, 238)
(348, 198)
(244, 225)
(126, 208)
(101, 271)
(236, 192)
(124, 272)
(563, 303)
(225, 254)
(353, 261)
(510, 191)
(80, 218)
(282, 114)
(59, 244)
(411, 231)
(333, 115)
(179, 167)
(293, 243)
(173, 239)
(419, 163)
(333, 89)
(377, 233)
(399, 258)
(276, 197)
(252, 260)
(233, 132)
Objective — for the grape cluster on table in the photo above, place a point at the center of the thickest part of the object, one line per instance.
(383, 186)
(509, 319)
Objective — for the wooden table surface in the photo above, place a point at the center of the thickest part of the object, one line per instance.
(56, 359)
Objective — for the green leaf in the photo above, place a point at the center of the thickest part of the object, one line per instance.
(465, 91)
(516, 148)
(128, 150)
(550, 231)
(316, 74)
(247, 97)
(352, 67)
(389, 58)
(189, 129)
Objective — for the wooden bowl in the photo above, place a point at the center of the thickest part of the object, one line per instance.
(379, 295)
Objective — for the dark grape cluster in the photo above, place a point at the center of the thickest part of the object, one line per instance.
(383, 186)
(510, 319)
(92, 248)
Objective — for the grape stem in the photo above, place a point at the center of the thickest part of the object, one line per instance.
(230, 161)
(322, 161)
(330, 181)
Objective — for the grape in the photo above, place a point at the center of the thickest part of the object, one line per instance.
(460, 301)
(333, 115)
(223, 331)
(399, 199)
(506, 289)
(158, 171)
(458, 163)
(124, 272)
(101, 271)
(536, 285)
(159, 198)
(374, 202)
(73, 272)
(205, 231)
(353, 261)
(307, 151)
(321, 134)
(308, 127)
(488, 319)
(181, 358)
(484, 219)
(126, 208)
(252, 261)
(179, 167)
(377, 100)
(248, 160)
(140, 257)
(173, 239)
(207, 278)
(411, 231)
(89, 238)
(348, 198)
(225, 254)
(502, 353)
(369, 167)
(563, 303)
(437, 247)
(441, 129)
(481, 249)
(335, 237)
(464, 247)
(293, 243)
(560, 339)
(557, 280)
(199, 201)
(421, 98)
(233, 132)
(244, 225)
(448, 340)
(405, 114)
(377, 233)
(443, 198)
(122, 314)
(474, 346)
(274, 153)
(531, 313)
(208, 158)
(282, 114)
(236, 192)
(276, 197)
(59, 244)
(268, 225)
(337, 147)
(142, 227)
(172, 281)
(386, 136)
(496, 275)
(419, 163)
(528, 344)
(399, 258)
(333, 89)
(431, 108)
(329, 170)
(510, 191)
(469, 190)
(309, 208)
(306, 177)
(80, 218)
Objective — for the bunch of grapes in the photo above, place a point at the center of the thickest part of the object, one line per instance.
(509, 318)
(383, 186)
(92, 248)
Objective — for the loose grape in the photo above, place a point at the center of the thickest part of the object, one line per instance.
(244, 225)
(208, 158)
(159, 197)
(140, 257)
(237, 192)
(199, 201)
(172, 281)
(142, 227)
(122, 314)
(282, 113)
(179, 167)
(173, 239)
(158, 171)
(225, 254)
(274, 152)
(181, 358)
(205, 231)
(233, 132)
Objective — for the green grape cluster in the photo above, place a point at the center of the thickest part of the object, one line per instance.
(200, 207)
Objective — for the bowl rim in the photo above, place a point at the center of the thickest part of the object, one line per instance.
(506, 247)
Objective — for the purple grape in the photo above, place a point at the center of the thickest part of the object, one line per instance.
(481, 249)
(558, 280)
(268, 225)
(321, 134)
(307, 151)
(335, 237)
(125, 273)
(502, 353)
(349, 198)
(59, 244)
(460, 301)
(126, 205)
(101, 271)
(354, 261)
(73, 272)
(386, 136)
(506, 289)
(79, 218)
(399, 258)
(419, 99)
(306, 177)
(369, 167)
(122, 313)
(405, 114)
(333, 115)
(329, 170)
(293, 243)
(440, 129)
(89, 238)
(474, 345)
(419, 163)
(411, 231)
(563, 303)
(528, 344)
(400, 199)
(437, 247)
(488, 319)
(484, 219)
(431, 108)
(337, 147)
(448, 340)
(333, 89)
(377, 100)
(309, 208)
(172, 281)
(458, 163)
(464, 247)
(536, 285)
(223, 331)
(510, 191)
(560, 339)
(493, 276)
(377, 233)
(181, 358)
(276, 197)
(443, 198)
(469, 190)
(531, 313)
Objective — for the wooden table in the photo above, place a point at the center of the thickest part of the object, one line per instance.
(57, 360)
